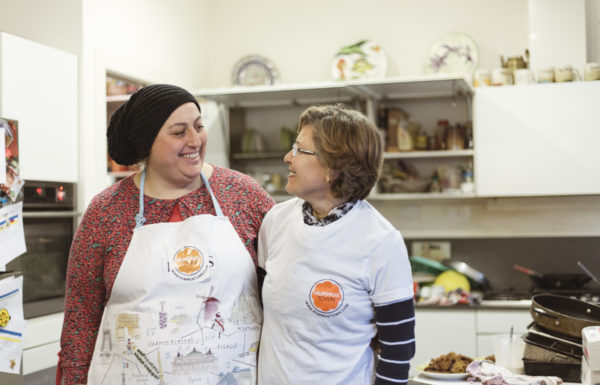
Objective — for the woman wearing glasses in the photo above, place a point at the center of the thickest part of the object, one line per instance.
(337, 270)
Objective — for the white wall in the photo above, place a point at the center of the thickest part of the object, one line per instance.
(157, 40)
(56, 23)
(592, 13)
(551, 46)
(151, 40)
(301, 38)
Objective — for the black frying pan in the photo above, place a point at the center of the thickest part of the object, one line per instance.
(556, 280)
(564, 315)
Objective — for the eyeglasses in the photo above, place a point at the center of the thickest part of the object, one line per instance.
(296, 150)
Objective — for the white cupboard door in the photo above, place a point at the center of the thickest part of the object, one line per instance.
(38, 86)
(539, 139)
(499, 321)
(443, 331)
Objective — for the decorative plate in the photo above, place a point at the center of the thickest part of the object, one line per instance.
(452, 53)
(363, 60)
(440, 376)
(255, 70)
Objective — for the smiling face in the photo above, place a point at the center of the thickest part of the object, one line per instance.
(178, 151)
(308, 177)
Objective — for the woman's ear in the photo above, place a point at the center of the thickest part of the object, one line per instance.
(331, 175)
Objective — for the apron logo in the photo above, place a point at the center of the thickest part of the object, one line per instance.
(189, 263)
(4, 317)
(326, 298)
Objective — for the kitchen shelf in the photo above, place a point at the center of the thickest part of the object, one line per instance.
(281, 197)
(118, 98)
(429, 154)
(421, 196)
(268, 108)
(258, 155)
(121, 174)
(407, 87)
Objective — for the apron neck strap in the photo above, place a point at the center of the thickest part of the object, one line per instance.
(212, 196)
(139, 217)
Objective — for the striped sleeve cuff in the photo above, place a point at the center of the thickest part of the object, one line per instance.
(396, 334)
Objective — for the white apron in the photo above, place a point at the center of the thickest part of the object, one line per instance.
(183, 309)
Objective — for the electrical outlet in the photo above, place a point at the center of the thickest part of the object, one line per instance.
(439, 251)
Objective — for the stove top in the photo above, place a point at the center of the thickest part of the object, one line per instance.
(591, 295)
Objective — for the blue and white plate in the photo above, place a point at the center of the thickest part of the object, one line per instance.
(255, 70)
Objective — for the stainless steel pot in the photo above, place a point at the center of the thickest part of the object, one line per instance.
(474, 276)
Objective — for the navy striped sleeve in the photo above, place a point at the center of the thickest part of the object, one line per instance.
(396, 333)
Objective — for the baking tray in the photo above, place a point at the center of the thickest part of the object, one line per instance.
(567, 372)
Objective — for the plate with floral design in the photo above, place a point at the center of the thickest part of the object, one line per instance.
(452, 53)
(362, 60)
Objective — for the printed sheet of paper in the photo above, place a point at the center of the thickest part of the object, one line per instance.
(12, 324)
(2, 155)
(12, 237)
(10, 181)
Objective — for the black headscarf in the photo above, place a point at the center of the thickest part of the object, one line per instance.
(134, 126)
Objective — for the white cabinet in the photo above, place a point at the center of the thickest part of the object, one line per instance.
(41, 342)
(442, 331)
(467, 331)
(499, 321)
(539, 139)
(38, 88)
(265, 109)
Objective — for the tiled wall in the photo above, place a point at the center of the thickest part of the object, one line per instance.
(549, 234)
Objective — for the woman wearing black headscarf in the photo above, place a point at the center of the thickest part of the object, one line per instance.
(161, 282)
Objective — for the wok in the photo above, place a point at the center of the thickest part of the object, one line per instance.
(556, 280)
(564, 315)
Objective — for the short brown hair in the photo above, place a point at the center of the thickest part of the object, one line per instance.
(349, 144)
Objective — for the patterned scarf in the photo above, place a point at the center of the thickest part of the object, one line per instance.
(335, 214)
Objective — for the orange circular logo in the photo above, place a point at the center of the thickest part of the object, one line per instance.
(188, 260)
(326, 296)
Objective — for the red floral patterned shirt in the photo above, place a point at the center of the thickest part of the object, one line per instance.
(103, 237)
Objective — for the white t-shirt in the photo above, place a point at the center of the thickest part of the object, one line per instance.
(319, 292)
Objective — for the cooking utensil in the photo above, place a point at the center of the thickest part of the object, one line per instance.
(552, 341)
(541, 361)
(474, 276)
(556, 280)
(564, 315)
(427, 265)
(589, 273)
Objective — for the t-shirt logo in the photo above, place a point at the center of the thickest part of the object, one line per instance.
(189, 263)
(326, 297)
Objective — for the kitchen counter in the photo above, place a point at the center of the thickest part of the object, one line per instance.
(422, 380)
(486, 304)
